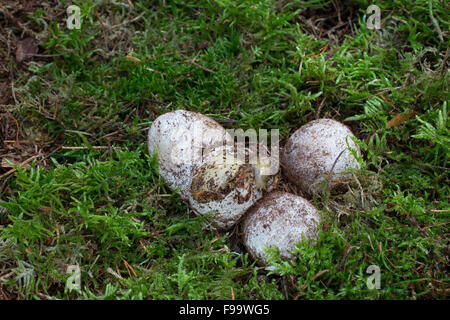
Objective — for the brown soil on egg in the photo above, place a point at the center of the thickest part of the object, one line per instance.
(278, 219)
(316, 152)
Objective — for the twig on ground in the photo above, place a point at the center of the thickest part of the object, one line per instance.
(193, 61)
(434, 21)
(46, 297)
(200, 66)
(444, 62)
(76, 131)
(129, 268)
(17, 22)
(20, 165)
(115, 274)
(320, 108)
(128, 22)
(347, 251)
(84, 148)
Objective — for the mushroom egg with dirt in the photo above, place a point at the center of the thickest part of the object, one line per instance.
(321, 151)
(279, 220)
(197, 156)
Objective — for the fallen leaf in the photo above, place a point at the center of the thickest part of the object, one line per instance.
(400, 118)
(26, 48)
(203, 45)
(45, 210)
(6, 164)
(130, 57)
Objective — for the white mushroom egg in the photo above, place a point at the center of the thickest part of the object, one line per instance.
(279, 220)
(213, 180)
(318, 152)
(180, 138)
(226, 186)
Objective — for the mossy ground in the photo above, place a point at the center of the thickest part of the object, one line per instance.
(91, 194)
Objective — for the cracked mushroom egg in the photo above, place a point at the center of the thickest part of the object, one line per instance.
(279, 220)
(318, 152)
(195, 157)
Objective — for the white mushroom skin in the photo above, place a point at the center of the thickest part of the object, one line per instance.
(226, 188)
(279, 220)
(206, 181)
(314, 150)
(178, 138)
